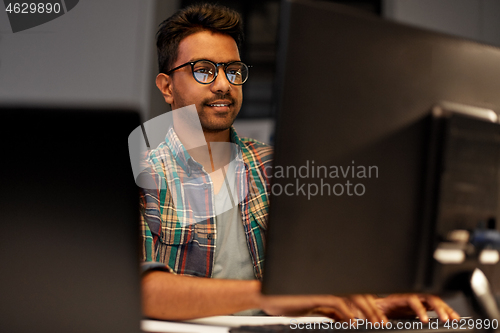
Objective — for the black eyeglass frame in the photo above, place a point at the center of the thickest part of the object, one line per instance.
(225, 64)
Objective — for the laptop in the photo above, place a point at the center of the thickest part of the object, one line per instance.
(69, 227)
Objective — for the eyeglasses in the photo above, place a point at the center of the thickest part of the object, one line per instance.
(205, 71)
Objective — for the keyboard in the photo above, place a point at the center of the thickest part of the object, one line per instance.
(465, 324)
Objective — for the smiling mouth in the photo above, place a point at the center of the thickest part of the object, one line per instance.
(218, 105)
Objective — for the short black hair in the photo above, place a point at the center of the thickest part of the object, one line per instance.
(190, 20)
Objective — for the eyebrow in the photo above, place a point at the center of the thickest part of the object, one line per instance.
(225, 62)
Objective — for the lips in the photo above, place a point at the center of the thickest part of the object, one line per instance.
(219, 103)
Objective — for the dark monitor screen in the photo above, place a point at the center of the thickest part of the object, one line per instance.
(69, 225)
(350, 208)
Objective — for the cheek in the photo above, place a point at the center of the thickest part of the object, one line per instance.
(187, 94)
(239, 94)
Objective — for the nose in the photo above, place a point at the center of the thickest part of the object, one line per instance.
(220, 84)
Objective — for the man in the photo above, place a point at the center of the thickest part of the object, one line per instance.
(201, 258)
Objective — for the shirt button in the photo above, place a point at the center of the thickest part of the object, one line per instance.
(210, 236)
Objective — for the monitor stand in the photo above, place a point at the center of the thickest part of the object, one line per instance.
(465, 143)
(481, 297)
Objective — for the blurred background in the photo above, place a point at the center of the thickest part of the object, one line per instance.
(103, 52)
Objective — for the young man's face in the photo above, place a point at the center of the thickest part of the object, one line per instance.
(181, 89)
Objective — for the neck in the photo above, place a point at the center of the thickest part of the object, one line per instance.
(212, 157)
(219, 155)
(222, 136)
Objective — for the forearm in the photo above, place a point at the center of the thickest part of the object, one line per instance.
(175, 297)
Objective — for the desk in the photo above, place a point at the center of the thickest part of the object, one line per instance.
(222, 324)
(218, 324)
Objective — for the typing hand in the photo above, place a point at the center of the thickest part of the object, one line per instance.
(410, 305)
(365, 306)
(338, 308)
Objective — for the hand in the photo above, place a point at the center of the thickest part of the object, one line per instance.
(365, 306)
(409, 305)
(338, 308)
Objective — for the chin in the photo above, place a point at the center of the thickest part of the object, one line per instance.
(215, 129)
(217, 124)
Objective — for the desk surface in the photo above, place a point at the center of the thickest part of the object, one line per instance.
(222, 324)
(218, 324)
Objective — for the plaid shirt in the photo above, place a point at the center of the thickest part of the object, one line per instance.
(173, 234)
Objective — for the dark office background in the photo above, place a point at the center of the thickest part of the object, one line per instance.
(259, 49)
(69, 61)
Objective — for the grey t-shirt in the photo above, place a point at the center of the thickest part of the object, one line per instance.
(232, 256)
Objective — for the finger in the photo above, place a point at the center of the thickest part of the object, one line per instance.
(369, 308)
(329, 312)
(377, 309)
(416, 305)
(365, 308)
(438, 306)
(341, 308)
(454, 315)
(444, 311)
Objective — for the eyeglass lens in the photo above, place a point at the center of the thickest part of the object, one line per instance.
(204, 72)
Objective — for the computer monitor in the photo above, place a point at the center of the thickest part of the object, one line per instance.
(69, 225)
(354, 195)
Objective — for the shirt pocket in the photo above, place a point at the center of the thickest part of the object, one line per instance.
(173, 240)
(170, 231)
(176, 236)
(173, 232)
(171, 227)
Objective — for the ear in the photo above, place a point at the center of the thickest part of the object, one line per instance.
(164, 84)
